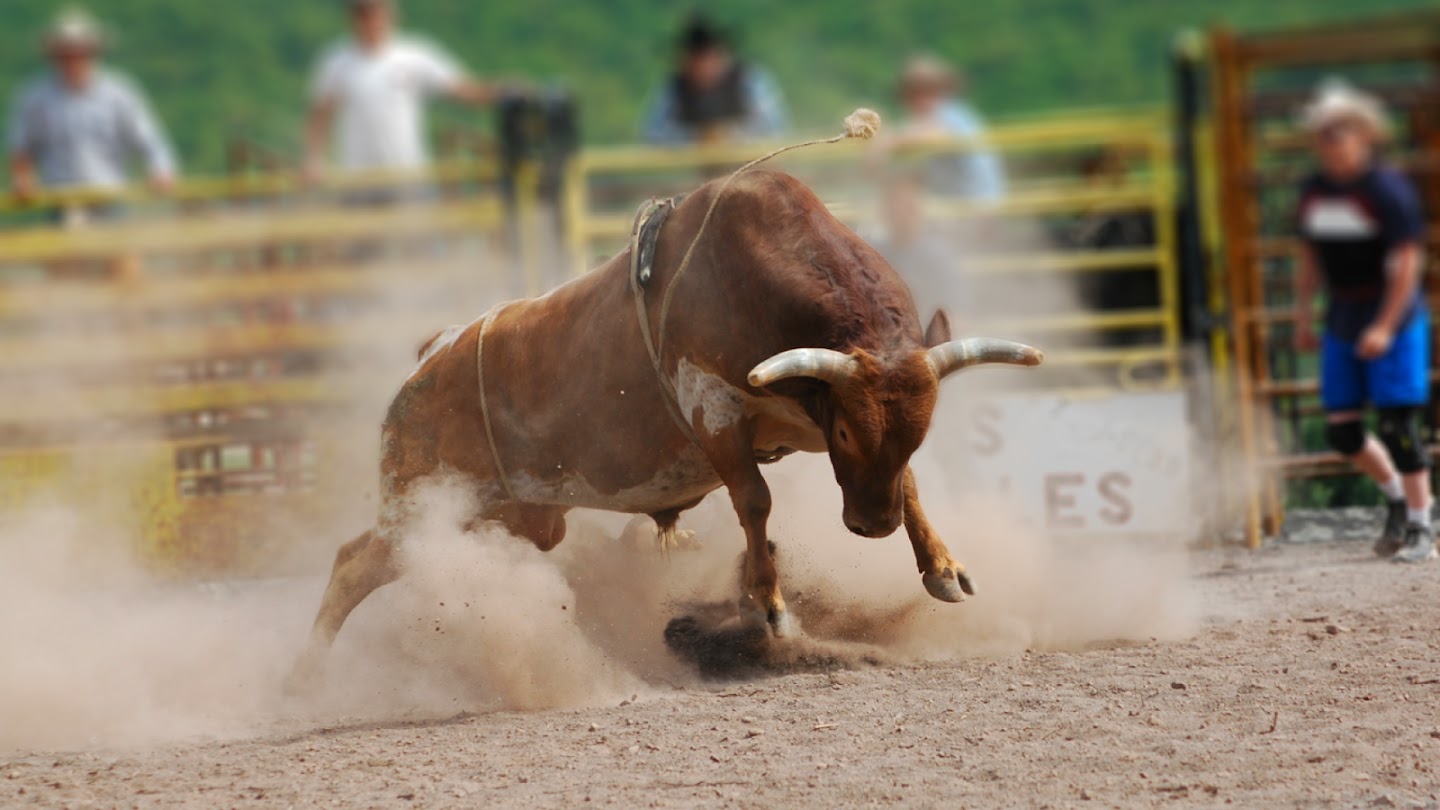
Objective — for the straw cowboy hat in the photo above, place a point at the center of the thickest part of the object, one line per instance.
(74, 29)
(928, 72)
(1337, 102)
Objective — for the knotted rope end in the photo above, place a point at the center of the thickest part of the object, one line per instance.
(863, 124)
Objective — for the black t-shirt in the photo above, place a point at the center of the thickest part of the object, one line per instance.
(1353, 228)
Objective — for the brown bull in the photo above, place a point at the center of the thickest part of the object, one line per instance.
(787, 332)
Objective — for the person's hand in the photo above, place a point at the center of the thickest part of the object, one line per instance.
(162, 184)
(1374, 342)
(312, 172)
(24, 187)
(1305, 338)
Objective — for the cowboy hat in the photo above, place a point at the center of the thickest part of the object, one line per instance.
(74, 28)
(1337, 102)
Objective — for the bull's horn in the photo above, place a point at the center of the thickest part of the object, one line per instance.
(951, 356)
(821, 364)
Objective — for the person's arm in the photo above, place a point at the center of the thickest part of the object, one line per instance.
(147, 139)
(1402, 279)
(766, 115)
(1307, 281)
(20, 142)
(982, 177)
(23, 183)
(443, 75)
(318, 125)
(1402, 226)
(660, 127)
(469, 90)
(325, 85)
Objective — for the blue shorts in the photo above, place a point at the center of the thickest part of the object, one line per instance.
(1400, 378)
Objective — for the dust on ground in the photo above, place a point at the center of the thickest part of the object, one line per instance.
(1313, 680)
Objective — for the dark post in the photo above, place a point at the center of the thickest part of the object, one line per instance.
(1196, 322)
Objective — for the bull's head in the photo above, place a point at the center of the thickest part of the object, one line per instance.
(876, 413)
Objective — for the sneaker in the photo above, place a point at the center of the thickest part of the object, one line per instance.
(1419, 545)
(1393, 536)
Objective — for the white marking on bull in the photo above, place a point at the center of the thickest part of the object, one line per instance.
(780, 421)
(720, 403)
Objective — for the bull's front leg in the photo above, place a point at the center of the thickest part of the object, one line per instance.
(944, 578)
(760, 599)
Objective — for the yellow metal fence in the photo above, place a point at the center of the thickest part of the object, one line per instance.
(208, 371)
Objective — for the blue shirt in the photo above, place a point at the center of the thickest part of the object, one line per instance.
(87, 137)
(764, 112)
(973, 175)
(1353, 228)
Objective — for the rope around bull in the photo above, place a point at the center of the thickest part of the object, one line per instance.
(485, 401)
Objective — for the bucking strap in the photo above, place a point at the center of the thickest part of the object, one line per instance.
(643, 235)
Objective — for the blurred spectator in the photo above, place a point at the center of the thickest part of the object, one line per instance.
(1362, 236)
(81, 124)
(1107, 227)
(936, 111)
(712, 96)
(369, 90)
(919, 251)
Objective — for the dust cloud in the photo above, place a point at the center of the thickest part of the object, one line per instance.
(96, 653)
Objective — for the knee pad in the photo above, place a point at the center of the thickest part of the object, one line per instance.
(1399, 431)
(1346, 438)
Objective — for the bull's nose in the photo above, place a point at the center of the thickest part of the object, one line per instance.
(869, 530)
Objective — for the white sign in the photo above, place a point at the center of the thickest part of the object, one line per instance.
(1114, 465)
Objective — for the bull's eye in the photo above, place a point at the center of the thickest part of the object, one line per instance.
(844, 437)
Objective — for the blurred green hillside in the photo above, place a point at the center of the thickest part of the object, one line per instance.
(219, 67)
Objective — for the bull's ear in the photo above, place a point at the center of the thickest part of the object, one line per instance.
(939, 329)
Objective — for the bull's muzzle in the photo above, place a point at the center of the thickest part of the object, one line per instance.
(870, 527)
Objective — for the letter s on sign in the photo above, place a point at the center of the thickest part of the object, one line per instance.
(988, 441)
(1120, 510)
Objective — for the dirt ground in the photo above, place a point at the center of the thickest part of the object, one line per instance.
(1312, 681)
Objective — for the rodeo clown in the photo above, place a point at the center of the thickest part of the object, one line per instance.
(1362, 232)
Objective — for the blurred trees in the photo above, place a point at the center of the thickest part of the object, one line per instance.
(222, 68)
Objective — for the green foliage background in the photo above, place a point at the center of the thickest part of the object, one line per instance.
(219, 67)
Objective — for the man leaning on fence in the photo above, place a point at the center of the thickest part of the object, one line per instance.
(80, 124)
(369, 94)
(713, 97)
(1362, 232)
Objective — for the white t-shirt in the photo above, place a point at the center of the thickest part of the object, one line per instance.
(379, 100)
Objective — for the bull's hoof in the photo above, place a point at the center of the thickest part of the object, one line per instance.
(781, 625)
(776, 620)
(950, 585)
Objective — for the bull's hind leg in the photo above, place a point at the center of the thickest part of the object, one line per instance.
(361, 566)
(944, 578)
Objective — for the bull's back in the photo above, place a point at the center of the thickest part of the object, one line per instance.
(575, 405)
